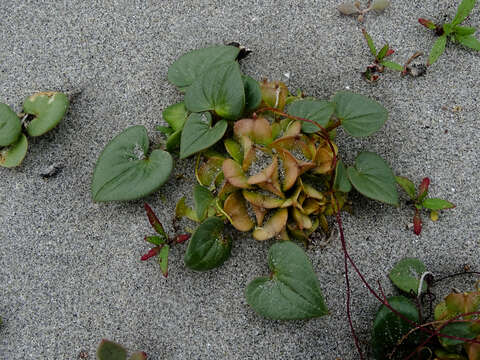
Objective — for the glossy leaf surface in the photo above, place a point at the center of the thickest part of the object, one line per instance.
(406, 275)
(49, 108)
(202, 197)
(292, 291)
(124, 172)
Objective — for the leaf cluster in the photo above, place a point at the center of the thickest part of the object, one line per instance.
(452, 31)
(41, 113)
(404, 332)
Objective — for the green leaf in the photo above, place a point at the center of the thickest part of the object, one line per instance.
(181, 210)
(190, 66)
(220, 89)
(49, 108)
(463, 10)
(234, 149)
(154, 222)
(370, 43)
(360, 116)
(447, 29)
(392, 65)
(208, 248)
(388, 329)
(198, 134)
(292, 291)
(155, 240)
(173, 141)
(108, 350)
(437, 204)
(459, 329)
(341, 182)
(167, 130)
(163, 259)
(10, 126)
(373, 178)
(253, 94)
(407, 185)
(176, 115)
(14, 154)
(437, 49)
(469, 41)
(319, 111)
(464, 30)
(124, 172)
(202, 198)
(406, 275)
(383, 51)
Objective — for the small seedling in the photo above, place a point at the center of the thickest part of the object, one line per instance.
(453, 31)
(354, 8)
(378, 66)
(161, 241)
(41, 113)
(108, 350)
(420, 201)
(451, 330)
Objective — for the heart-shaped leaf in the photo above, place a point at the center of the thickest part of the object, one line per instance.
(360, 116)
(48, 107)
(10, 126)
(406, 275)
(219, 89)
(124, 172)
(292, 291)
(108, 350)
(388, 329)
(202, 197)
(208, 248)
(372, 177)
(176, 115)
(190, 66)
(253, 94)
(198, 133)
(14, 154)
(341, 182)
(319, 111)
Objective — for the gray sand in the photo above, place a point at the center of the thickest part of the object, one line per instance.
(70, 270)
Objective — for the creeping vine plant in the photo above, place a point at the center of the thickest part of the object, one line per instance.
(266, 162)
(41, 113)
(403, 330)
(453, 31)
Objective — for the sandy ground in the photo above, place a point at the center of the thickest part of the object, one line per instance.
(70, 269)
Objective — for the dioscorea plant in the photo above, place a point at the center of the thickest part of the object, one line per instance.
(453, 31)
(41, 113)
(403, 330)
(266, 162)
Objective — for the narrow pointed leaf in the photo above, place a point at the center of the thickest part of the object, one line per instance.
(293, 290)
(202, 198)
(14, 154)
(10, 126)
(437, 204)
(192, 65)
(220, 89)
(198, 133)
(360, 116)
(406, 275)
(208, 248)
(49, 109)
(124, 172)
(153, 219)
(156, 240)
(163, 259)
(317, 110)
(469, 41)
(373, 178)
(371, 45)
(407, 185)
(388, 329)
(382, 53)
(392, 65)
(437, 49)
(463, 10)
(464, 30)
